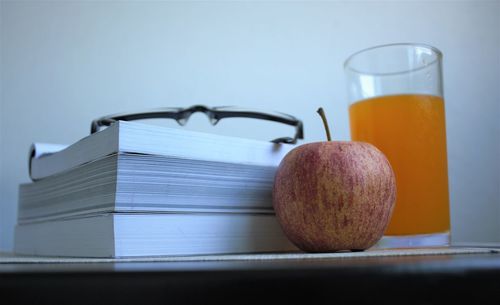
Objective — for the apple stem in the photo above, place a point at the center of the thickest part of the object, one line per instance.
(325, 123)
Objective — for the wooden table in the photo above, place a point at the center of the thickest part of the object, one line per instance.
(429, 279)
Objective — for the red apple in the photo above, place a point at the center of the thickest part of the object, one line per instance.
(331, 196)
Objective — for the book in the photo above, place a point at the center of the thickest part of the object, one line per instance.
(131, 137)
(124, 182)
(157, 234)
(142, 190)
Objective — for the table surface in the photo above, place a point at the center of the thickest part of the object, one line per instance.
(428, 279)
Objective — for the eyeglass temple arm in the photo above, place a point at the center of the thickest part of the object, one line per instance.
(299, 127)
(106, 121)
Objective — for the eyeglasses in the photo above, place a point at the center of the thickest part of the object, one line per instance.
(215, 114)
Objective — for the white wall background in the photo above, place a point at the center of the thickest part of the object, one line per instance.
(65, 63)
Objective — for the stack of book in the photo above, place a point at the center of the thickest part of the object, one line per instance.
(142, 190)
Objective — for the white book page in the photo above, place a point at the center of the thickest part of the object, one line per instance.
(131, 137)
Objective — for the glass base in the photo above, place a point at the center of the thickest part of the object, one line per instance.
(414, 241)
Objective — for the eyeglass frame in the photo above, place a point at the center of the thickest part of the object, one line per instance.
(215, 114)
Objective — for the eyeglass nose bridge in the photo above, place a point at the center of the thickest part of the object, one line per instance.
(184, 115)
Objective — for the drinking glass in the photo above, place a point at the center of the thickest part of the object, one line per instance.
(396, 103)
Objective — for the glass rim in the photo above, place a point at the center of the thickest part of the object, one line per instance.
(439, 56)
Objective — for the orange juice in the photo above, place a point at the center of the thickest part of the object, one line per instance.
(410, 130)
